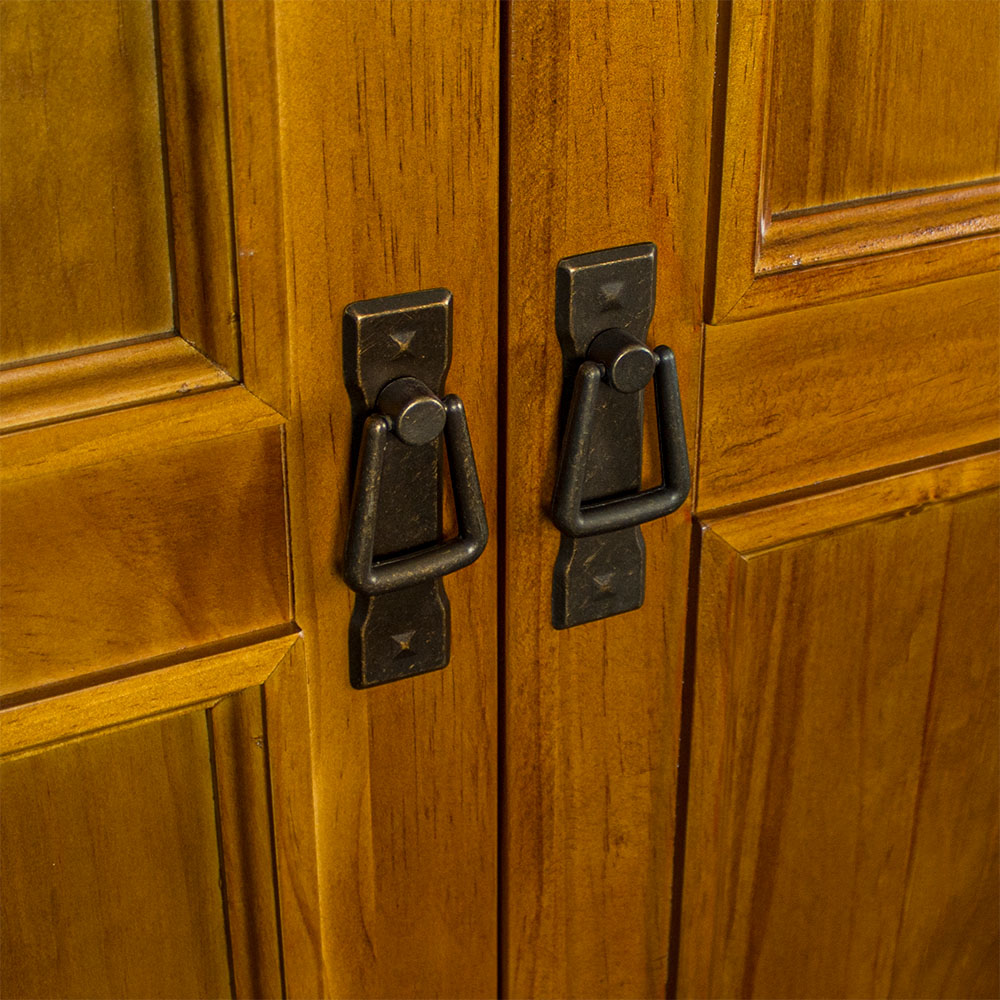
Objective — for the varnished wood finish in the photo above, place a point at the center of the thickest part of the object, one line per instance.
(293, 793)
(878, 244)
(84, 233)
(240, 761)
(794, 399)
(251, 80)
(874, 99)
(85, 384)
(140, 554)
(387, 168)
(856, 231)
(32, 719)
(95, 440)
(197, 159)
(610, 110)
(111, 899)
(842, 830)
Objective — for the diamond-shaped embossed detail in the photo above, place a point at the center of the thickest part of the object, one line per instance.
(604, 583)
(404, 643)
(403, 339)
(611, 295)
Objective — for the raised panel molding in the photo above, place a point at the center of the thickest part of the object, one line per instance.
(883, 238)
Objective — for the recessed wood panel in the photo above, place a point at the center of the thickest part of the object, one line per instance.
(85, 250)
(795, 399)
(111, 868)
(843, 826)
(874, 99)
(860, 150)
(142, 555)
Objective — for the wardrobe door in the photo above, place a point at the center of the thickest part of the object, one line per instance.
(609, 114)
(841, 816)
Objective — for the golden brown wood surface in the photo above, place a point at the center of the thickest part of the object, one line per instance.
(84, 231)
(240, 763)
(133, 692)
(794, 399)
(842, 829)
(251, 83)
(141, 554)
(85, 384)
(609, 115)
(111, 845)
(197, 160)
(874, 245)
(387, 168)
(873, 99)
(857, 231)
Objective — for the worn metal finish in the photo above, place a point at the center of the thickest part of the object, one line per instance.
(396, 356)
(604, 305)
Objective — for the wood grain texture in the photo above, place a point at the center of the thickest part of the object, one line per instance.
(85, 384)
(111, 843)
(94, 440)
(842, 831)
(197, 158)
(293, 792)
(871, 99)
(386, 155)
(242, 796)
(141, 555)
(256, 190)
(84, 241)
(134, 692)
(885, 244)
(610, 111)
(797, 399)
(857, 231)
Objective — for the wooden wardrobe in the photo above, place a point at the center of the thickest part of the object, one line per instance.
(777, 778)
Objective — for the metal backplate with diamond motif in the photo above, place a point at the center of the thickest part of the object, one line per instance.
(405, 632)
(604, 575)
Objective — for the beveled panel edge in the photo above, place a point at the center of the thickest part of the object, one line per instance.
(104, 437)
(894, 493)
(878, 225)
(85, 384)
(40, 717)
(195, 133)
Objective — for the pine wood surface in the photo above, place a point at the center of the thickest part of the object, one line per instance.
(94, 440)
(871, 100)
(609, 115)
(795, 399)
(141, 555)
(133, 692)
(84, 230)
(888, 245)
(112, 898)
(842, 828)
(257, 201)
(856, 231)
(197, 158)
(240, 766)
(86, 384)
(386, 168)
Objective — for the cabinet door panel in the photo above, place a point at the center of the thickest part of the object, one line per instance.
(842, 829)
(610, 112)
(830, 158)
(111, 845)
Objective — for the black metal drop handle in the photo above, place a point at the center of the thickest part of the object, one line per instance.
(414, 422)
(571, 515)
